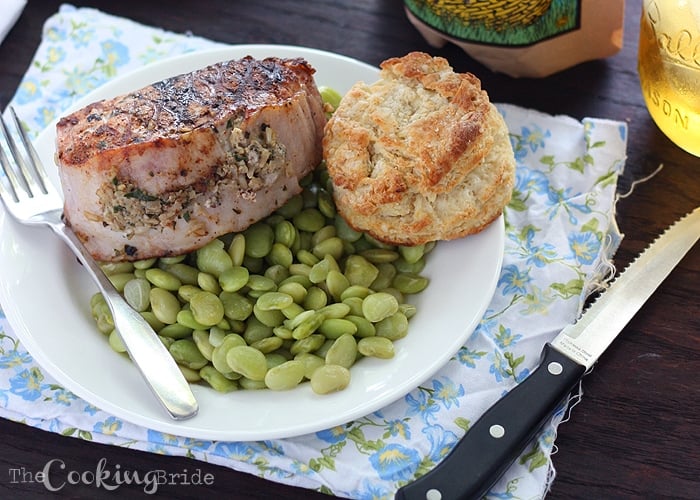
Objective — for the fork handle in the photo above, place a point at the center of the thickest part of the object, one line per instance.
(143, 345)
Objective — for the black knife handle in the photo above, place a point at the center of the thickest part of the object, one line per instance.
(492, 444)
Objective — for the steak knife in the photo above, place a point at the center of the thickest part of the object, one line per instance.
(495, 440)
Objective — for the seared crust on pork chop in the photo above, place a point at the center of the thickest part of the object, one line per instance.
(165, 169)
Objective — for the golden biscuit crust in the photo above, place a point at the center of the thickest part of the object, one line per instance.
(420, 155)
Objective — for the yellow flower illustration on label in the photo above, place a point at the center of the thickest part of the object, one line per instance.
(499, 22)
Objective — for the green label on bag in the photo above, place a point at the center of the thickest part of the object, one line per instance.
(499, 22)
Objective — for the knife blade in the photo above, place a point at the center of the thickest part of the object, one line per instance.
(500, 435)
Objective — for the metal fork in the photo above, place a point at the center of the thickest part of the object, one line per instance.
(31, 199)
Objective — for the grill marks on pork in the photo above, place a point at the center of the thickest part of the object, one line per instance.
(167, 168)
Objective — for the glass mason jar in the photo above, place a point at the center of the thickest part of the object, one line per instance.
(669, 68)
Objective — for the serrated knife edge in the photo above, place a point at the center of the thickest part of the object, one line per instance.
(617, 305)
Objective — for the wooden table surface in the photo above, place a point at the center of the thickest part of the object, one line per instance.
(636, 432)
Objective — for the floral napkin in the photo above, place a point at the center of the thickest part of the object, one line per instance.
(561, 233)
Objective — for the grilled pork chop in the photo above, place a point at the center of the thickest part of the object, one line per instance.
(165, 169)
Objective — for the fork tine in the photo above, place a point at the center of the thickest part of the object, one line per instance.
(38, 167)
(9, 172)
(30, 185)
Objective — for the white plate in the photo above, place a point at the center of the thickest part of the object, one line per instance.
(45, 295)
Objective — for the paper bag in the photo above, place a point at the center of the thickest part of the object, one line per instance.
(523, 38)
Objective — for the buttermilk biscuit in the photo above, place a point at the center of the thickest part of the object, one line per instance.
(420, 155)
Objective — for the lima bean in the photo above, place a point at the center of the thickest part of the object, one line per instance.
(269, 301)
(251, 385)
(315, 298)
(403, 266)
(322, 234)
(308, 344)
(355, 305)
(387, 271)
(285, 233)
(343, 351)
(236, 306)
(292, 311)
(329, 378)
(175, 331)
(208, 282)
(259, 239)
(256, 330)
(115, 342)
(218, 355)
(216, 380)
(163, 279)
(377, 347)
(355, 291)
(335, 310)
(311, 362)
(380, 305)
(192, 376)
(295, 290)
(186, 353)
(309, 219)
(186, 318)
(236, 249)
(334, 328)
(337, 283)
(144, 263)
(119, 280)
(345, 232)
(136, 293)
(306, 257)
(277, 273)
(176, 259)
(207, 308)
(185, 292)
(270, 317)
(393, 327)
(213, 259)
(359, 271)
(379, 255)
(234, 278)
(330, 96)
(325, 204)
(331, 246)
(280, 255)
(164, 305)
(364, 327)
(285, 376)
(247, 361)
(217, 336)
(110, 268)
(412, 254)
(201, 340)
(307, 327)
(410, 283)
(261, 283)
(293, 206)
(268, 345)
(275, 359)
(151, 319)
